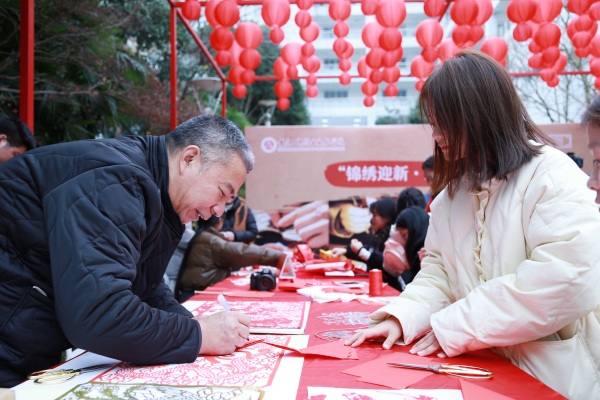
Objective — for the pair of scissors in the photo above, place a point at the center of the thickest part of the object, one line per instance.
(463, 371)
(49, 376)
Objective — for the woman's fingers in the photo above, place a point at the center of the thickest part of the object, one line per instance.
(427, 345)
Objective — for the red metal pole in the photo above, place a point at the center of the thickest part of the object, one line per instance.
(173, 59)
(26, 59)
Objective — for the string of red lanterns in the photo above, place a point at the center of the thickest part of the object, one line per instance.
(533, 19)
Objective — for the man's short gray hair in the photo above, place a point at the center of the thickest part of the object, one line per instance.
(216, 137)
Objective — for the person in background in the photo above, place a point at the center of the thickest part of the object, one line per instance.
(87, 230)
(513, 259)
(409, 197)
(383, 213)
(427, 168)
(15, 138)
(401, 255)
(210, 259)
(239, 224)
(591, 121)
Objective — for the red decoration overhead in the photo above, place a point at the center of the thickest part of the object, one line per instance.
(275, 13)
(391, 13)
(191, 10)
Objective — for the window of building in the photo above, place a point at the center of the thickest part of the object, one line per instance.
(329, 94)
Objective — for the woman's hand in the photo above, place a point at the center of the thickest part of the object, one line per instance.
(428, 345)
(389, 329)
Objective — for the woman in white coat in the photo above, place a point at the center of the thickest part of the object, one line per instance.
(513, 257)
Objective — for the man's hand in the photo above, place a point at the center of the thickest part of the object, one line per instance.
(223, 332)
(229, 236)
(389, 329)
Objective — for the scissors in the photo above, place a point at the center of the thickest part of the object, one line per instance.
(48, 376)
(463, 371)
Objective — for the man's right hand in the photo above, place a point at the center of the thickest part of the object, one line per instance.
(223, 332)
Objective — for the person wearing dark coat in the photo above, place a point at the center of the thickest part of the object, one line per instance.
(239, 224)
(86, 231)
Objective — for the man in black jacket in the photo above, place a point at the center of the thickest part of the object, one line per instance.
(86, 231)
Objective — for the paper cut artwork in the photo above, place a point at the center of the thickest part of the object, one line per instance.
(328, 393)
(254, 365)
(268, 317)
(102, 391)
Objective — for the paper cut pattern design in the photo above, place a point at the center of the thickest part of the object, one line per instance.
(278, 316)
(251, 366)
(97, 391)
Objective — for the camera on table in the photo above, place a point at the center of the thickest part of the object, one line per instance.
(263, 280)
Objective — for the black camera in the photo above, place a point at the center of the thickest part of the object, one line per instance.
(578, 160)
(263, 280)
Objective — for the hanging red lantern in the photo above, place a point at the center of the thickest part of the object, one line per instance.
(461, 34)
(597, 83)
(429, 54)
(369, 88)
(276, 35)
(447, 49)
(240, 91)
(391, 13)
(339, 9)
(248, 77)
(484, 13)
(391, 58)
(369, 101)
(419, 84)
(476, 33)
(312, 91)
(292, 72)
(308, 49)
(280, 68)
(223, 58)
(561, 63)
(534, 47)
(578, 6)
(584, 23)
(547, 35)
(464, 12)
(582, 52)
(594, 11)
(191, 10)
(227, 13)
(345, 64)
(523, 31)
(419, 68)
(248, 35)
(550, 55)
(310, 33)
(495, 47)
(303, 18)
(340, 46)
(390, 39)
(595, 45)
(348, 51)
(521, 10)
(376, 76)
(370, 34)
(535, 61)
(553, 82)
(275, 13)
(291, 53)
(341, 29)
(391, 91)
(595, 67)
(283, 104)
(362, 67)
(235, 74)
(283, 88)
(429, 33)
(311, 79)
(582, 39)
(221, 38)
(311, 64)
(369, 7)
(547, 10)
(209, 12)
(391, 75)
(434, 8)
(374, 57)
(250, 58)
(547, 74)
(345, 79)
(304, 4)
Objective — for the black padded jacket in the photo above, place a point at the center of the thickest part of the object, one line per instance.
(87, 229)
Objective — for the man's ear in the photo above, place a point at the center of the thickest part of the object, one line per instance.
(190, 157)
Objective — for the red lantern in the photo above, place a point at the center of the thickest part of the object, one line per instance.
(240, 91)
(434, 8)
(308, 49)
(391, 91)
(280, 68)
(420, 68)
(523, 31)
(376, 76)
(235, 74)
(370, 34)
(391, 13)
(291, 53)
(582, 52)
(221, 38)
(362, 67)
(283, 88)
(486, 9)
(595, 67)
(464, 12)
(578, 6)
(553, 82)
(227, 13)
(547, 35)
(391, 58)
(534, 47)
(248, 35)
(595, 46)
(369, 88)
(461, 34)
(582, 39)
(340, 46)
(585, 23)
(341, 29)
(339, 9)
(597, 83)
(304, 4)
(521, 10)
(447, 49)
(311, 79)
(312, 91)
(550, 55)
(248, 77)
(223, 58)
(429, 33)
(209, 12)
(250, 58)
(292, 72)
(345, 79)
(391, 75)
(419, 84)
(390, 39)
(310, 33)
(495, 47)
(283, 104)
(594, 11)
(429, 54)
(275, 12)
(348, 51)
(476, 33)
(369, 101)
(547, 10)
(276, 35)
(345, 64)
(535, 60)
(369, 7)
(561, 63)
(191, 10)
(303, 18)
(374, 57)
(311, 64)
(547, 74)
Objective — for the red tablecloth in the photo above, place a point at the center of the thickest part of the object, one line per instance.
(508, 380)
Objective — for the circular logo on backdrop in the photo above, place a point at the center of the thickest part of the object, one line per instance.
(268, 144)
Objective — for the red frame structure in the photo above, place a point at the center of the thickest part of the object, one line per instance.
(26, 86)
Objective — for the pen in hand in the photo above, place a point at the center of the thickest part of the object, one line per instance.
(223, 302)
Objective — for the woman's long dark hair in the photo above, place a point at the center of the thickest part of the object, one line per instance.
(416, 220)
(472, 101)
